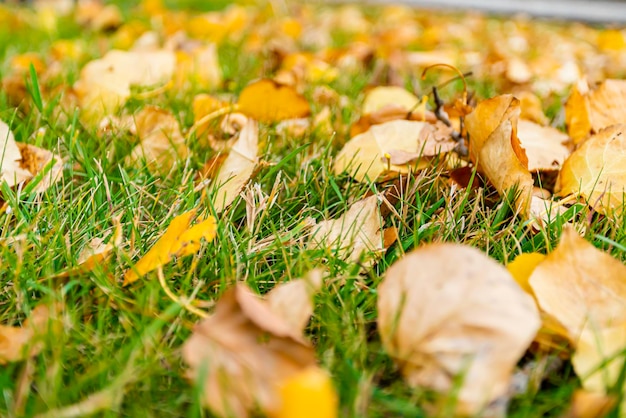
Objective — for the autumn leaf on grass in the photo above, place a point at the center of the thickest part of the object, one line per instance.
(448, 311)
(19, 343)
(270, 101)
(495, 147)
(96, 252)
(23, 162)
(546, 147)
(597, 171)
(584, 289)
(245, 351)
(589, 111)
(588, 404)
(178, 240)
(105, 84)
(231, 174)
(197, 65)
(391, 148)
(161, 142)
(11, 162)
(386, 103)
(356, 231)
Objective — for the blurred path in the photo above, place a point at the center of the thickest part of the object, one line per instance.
(600, 11)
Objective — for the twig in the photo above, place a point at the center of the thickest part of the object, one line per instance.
(175, 298)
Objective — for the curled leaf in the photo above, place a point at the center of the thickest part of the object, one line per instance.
(244, 352)
(448, 311)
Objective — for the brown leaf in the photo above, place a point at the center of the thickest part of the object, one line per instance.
(597, 170)
(495, 147)
(244, 352)
(237, 168)
(269, 101)
(105, 83)
(11, 163)
(584, 290)
(36, 159)
(293, 300)
(356, 231)
(161, 143)
(380, 97)
(586, 404)
(19, 343)
(448, 311)
(544, 146)
(366, 156)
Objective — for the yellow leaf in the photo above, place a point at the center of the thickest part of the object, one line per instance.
(269, 101)
(177, 241)
(577, 283)
(577, 118)
(447, 311)
(597, 171)
(586, 404)
(379, 97)
(308, 394)
(495, 147)
(391, 148)
(522, 267)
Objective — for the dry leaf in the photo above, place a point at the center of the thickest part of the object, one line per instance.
(293, 300)
(577, 283)
(380, 97)
(244, 352)
(19, 343)
(269, 101)
(237, 168)
(531, 108)
(11, 158)
(544, 146)
(161, 142)
(356, 231)
(591, 111)
(495, 147)
(522, 267)
(105, 84)
(21, 162)
(365, 157)
(178, 240)
(199, 67)
(597, 170)
(448, 311)
(586, 404)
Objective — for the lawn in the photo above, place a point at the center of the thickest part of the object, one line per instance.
(113, 348)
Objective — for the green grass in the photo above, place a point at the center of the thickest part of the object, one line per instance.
(125, 341)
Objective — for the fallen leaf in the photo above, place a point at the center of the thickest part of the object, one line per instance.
(161, 143)
(495, 147)
(244, 352)
(198, 67)
(238, 166)
(578, 283)
(178, 240)
(545, 146)
(597, 171)
(269, 101)
(36, 160)
(522, 267)
(531, 108)
(380, 97)
(203, 105)
(365, 157)
(356, 231)
(19, 343)
(105, 84)
(448, 311)
(589, 111)
(308, 394)
(11, 158)
(586, 404)
(293, 300)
